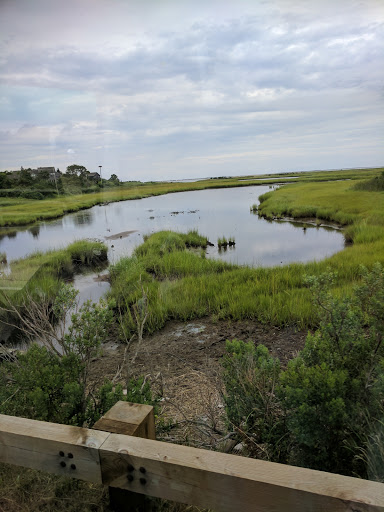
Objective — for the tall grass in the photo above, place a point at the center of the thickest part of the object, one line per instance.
(40, 273)
(184, 285)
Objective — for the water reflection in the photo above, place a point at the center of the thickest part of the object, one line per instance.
(83, 218)
(214, 213)
(55, 224)
(35, 231)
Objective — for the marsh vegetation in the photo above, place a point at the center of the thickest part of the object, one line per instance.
(327, 400)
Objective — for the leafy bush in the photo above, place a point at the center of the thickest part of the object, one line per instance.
(29, 193)
(51, 382)
(328, 404)
(32, 194)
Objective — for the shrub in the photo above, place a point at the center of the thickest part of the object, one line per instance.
(51, 382)
(250, 377)
(328, 404)
(375, 184)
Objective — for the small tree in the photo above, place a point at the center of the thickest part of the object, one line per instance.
(76, 170)
(5, 182)
(114, 179)
(25, 178)
(333, 391)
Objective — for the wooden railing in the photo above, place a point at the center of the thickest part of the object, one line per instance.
(121, 452)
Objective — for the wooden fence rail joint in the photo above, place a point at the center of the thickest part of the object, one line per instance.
(144, 466)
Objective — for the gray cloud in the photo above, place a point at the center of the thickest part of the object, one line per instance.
(168, 99)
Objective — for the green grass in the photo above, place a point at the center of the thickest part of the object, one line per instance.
(39, 275)
(183, 285)
(28, 490)
(19, 211)
(338, 202)
(40, 272)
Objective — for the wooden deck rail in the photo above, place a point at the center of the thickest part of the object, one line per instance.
(204, 478)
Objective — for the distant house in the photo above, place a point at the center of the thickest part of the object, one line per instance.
(94, 176)
(53, 174)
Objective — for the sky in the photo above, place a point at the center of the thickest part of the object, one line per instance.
(175, 89)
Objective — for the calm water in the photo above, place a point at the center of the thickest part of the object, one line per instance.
(213, 212)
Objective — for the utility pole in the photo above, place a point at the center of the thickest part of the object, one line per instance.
(101, 179)
(54, 175)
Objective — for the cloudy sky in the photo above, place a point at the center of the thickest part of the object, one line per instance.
(171, 89)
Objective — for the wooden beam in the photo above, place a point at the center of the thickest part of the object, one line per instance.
(60, 449)
(229, 483)
(204, 478)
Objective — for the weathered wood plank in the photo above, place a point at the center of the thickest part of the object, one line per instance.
(230, 483)
(179, 473)
(59, 449)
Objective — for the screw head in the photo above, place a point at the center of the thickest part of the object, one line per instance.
(143, 481)
(73, 466)
(62, 464)
(70, 456)
(142, 470)
(130, 468)
(130, 478)
(61, 454)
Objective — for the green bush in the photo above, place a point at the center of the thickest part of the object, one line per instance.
(327, 406)
(28, 193)
(250, 377)
(51, 382)
(375, 184)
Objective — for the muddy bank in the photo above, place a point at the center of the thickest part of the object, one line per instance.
(183, 361)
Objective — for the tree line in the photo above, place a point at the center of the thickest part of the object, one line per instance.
(29, 184)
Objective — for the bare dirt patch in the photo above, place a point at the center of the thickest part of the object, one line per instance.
(183, 362)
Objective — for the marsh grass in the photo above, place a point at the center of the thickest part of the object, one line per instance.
(40, 273)
(19, 212)
(184, 285)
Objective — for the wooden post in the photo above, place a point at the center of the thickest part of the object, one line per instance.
(133, 420)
